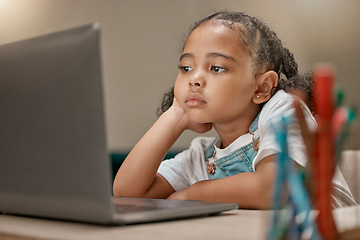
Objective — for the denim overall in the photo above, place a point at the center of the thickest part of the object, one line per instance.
(238, 161)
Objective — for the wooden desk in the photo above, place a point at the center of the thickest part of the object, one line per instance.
(236, 224)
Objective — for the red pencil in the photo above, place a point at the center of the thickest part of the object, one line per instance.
(324, 160)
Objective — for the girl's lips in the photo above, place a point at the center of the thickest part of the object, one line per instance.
(194, 100)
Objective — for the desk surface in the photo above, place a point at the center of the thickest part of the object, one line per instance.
(235, 224)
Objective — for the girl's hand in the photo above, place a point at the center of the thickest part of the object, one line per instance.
(185, 121)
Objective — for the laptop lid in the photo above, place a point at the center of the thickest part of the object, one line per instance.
(53, 156)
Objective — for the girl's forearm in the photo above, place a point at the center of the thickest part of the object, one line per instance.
(252, 190)
(231, 189)
(138, 172)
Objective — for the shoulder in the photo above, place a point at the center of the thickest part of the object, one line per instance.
(188, 166)
(281, 104)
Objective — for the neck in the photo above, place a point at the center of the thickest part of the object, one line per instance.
(228, 137)
(228, 133)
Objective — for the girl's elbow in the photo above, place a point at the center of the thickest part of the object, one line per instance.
(116, 187)
(265, 197)
(119, 190)
(116, 190)
(124, 190)
(266, 200)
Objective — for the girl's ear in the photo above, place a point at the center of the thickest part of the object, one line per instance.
(266, 82)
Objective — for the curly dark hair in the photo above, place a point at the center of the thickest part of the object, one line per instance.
(266, 49)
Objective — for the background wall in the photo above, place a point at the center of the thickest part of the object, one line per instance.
(141, 41)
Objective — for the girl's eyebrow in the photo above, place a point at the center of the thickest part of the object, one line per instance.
(185, 55)
(213, 54)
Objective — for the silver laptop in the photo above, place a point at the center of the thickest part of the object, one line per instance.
(54, 161)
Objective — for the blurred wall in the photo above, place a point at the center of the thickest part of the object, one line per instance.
(141, 41)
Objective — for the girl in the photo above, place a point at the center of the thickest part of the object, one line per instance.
(231, 74)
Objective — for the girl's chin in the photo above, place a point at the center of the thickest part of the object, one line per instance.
(199, 120)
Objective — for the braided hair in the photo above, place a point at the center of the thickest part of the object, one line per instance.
(265, 48)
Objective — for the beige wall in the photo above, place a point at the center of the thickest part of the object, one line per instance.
(141, 41)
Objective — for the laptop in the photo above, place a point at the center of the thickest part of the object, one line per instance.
(54, 161)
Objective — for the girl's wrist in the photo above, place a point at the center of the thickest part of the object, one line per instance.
(178, 117)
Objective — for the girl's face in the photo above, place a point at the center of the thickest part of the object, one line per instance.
(216, 83)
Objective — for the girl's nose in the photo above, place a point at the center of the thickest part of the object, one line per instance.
(195, 84)
(197, 81)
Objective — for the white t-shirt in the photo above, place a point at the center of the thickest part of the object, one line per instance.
(189, 166)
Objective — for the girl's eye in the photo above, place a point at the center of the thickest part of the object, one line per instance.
(217, 69)
(184, 68)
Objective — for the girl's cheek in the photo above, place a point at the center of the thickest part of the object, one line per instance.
(178, 87)
(176, 91)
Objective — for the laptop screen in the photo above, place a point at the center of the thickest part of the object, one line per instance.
(53, 156)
